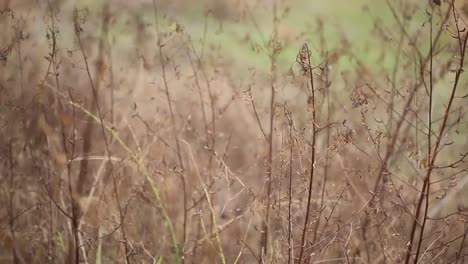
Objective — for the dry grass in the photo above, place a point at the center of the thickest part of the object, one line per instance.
(125, 137)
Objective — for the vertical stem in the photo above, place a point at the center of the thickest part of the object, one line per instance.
(462, 42)
(11, 205)
(291, 147)
(272, 120)
(429, 145)
(462, 244)
(312, 162)
(95, 89)
(179, 255)
(327, 155)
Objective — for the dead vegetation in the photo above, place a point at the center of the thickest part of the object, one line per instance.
(125, 138)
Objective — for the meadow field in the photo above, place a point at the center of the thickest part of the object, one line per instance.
(233, 131)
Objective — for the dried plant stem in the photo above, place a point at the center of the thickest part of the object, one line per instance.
(11, 204)
(327, 156)
(95, 97)
(141, 165)
(19, 39)
(174, 130)
(74, 243)
(312, 161)
(210, 135)
(462, 244)
(200, 95)
(327, 85)
(210, 205)
(429, 134)
(68, 145)
(392, 142)
(290, 190)
(425, 190)
(243, 244)
(257, 117)
(269, 179)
